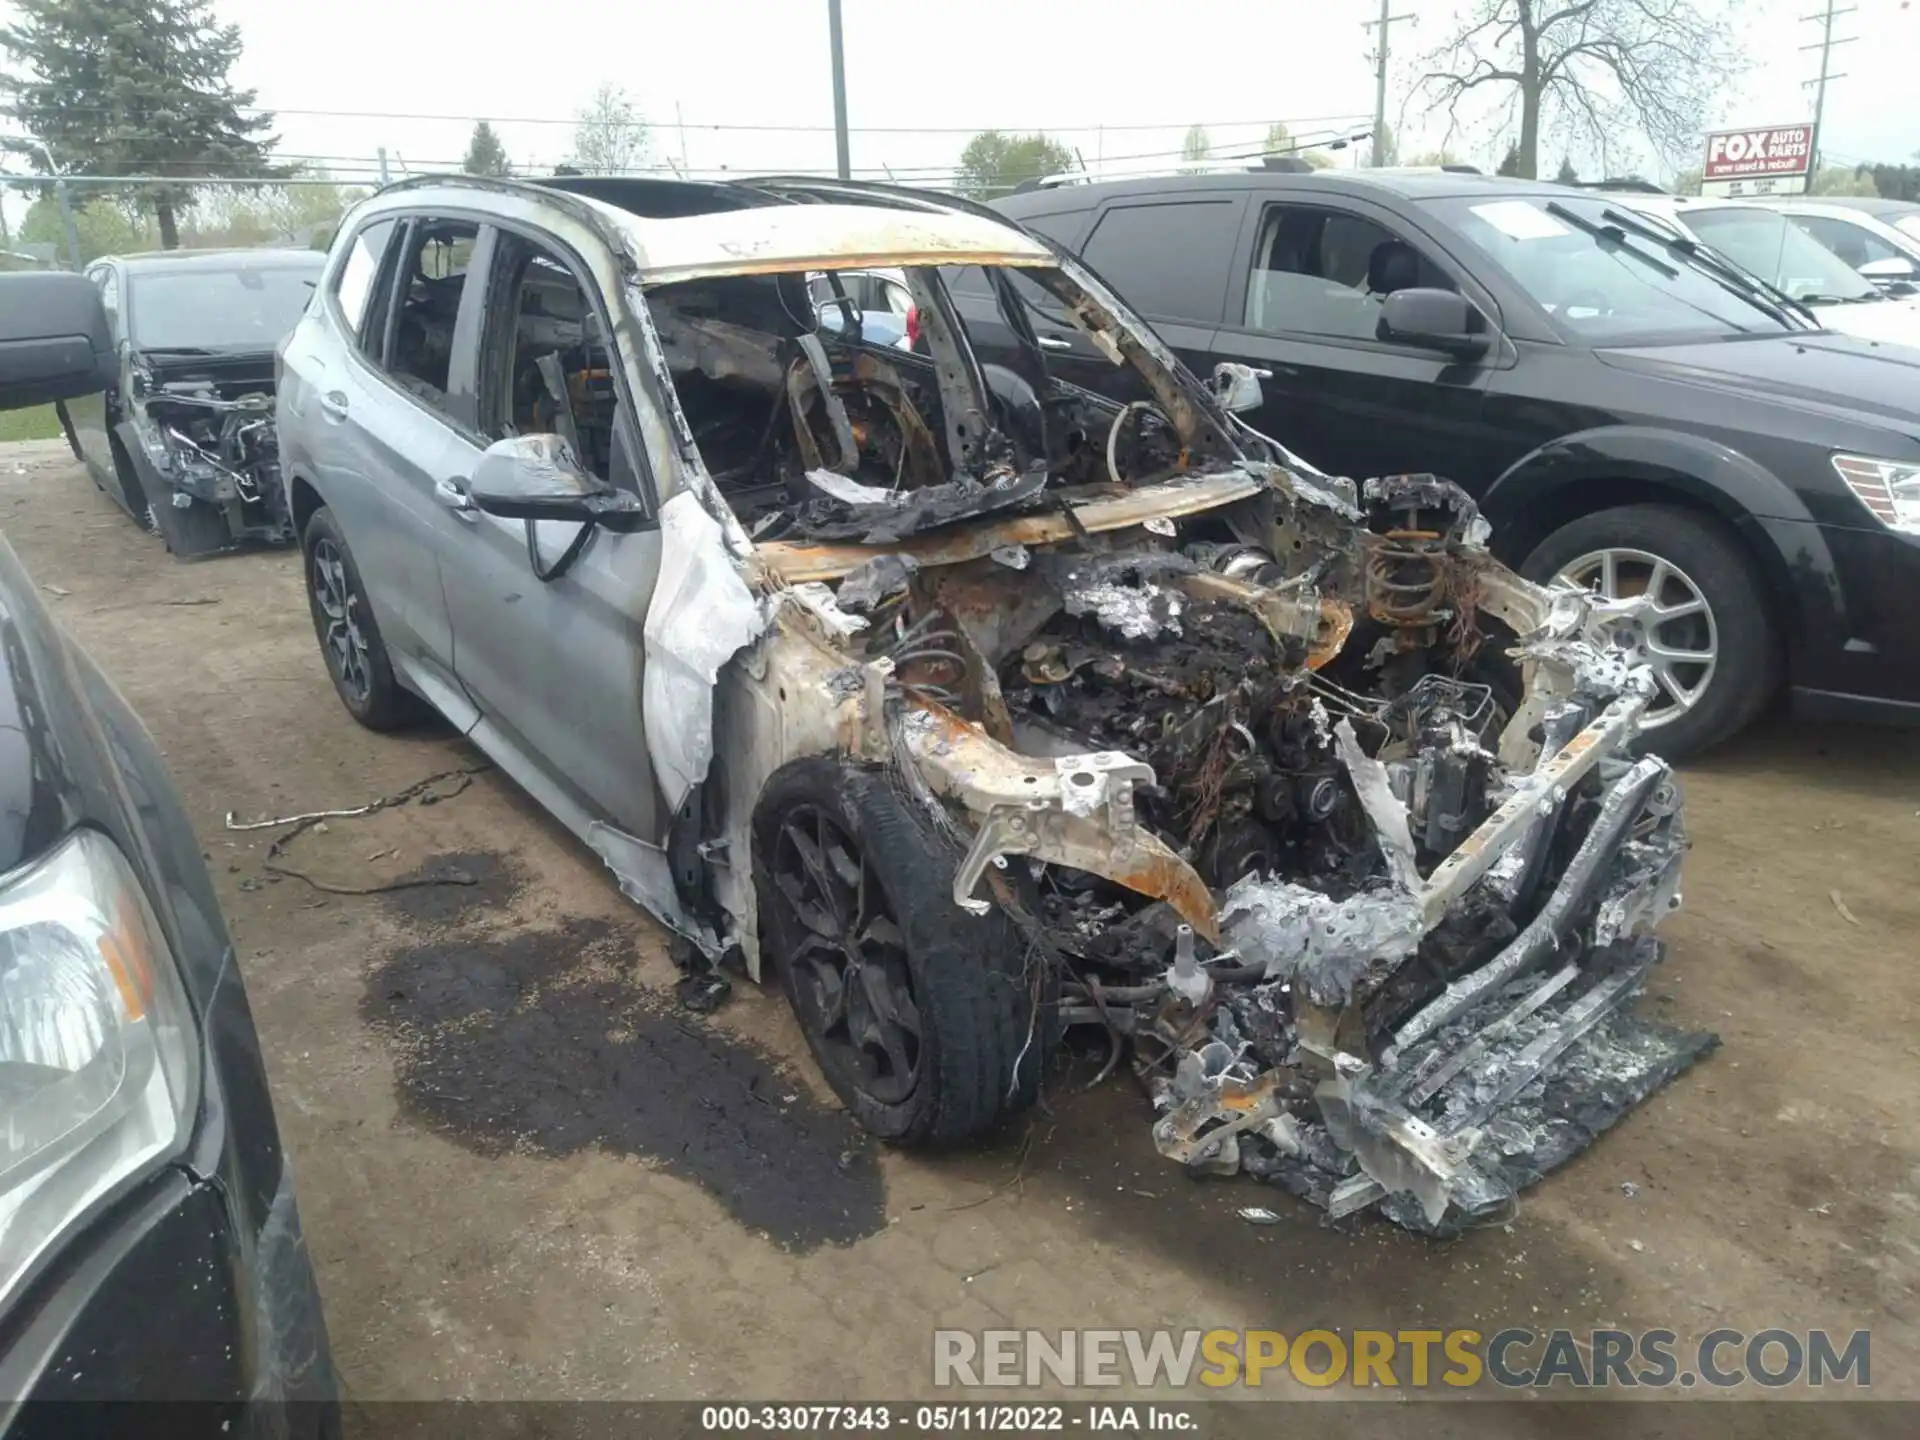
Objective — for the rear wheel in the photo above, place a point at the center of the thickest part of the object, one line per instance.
(349, 638)
(929, 1023)
(1699, 621)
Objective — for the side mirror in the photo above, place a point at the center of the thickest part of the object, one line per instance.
(55, 343)
(1893, 270)
(1237, 387)
(536, 477)
(1437, 319)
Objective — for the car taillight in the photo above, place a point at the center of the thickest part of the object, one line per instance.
(913, 326)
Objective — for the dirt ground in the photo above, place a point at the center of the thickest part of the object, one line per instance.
(525, 1173)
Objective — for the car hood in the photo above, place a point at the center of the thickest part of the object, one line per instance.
(1893, 320)
(1819, 373)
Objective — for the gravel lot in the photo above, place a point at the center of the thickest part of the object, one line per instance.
(525, 1173)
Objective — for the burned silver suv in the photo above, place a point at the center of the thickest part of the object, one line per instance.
(976, 707)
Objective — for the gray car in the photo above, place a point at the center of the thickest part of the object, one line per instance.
(974, 706)
(184, 437)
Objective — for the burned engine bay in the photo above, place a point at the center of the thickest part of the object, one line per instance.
(1322, 819)
(207, 431)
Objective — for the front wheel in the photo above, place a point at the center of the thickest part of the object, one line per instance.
(350, 641)
(1699, 621)
(929, 1023)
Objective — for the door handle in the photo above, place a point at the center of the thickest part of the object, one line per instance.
(333, 405)
(451, 491)
(1053, 342)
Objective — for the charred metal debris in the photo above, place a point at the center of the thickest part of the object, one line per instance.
(1324, 817)
(210, 437)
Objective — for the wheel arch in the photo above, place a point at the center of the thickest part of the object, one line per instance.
(303, 498)
(1585, 473)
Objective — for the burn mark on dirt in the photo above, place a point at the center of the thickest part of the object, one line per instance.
(496, 882)
(542, 1042)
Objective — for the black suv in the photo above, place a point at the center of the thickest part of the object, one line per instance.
(1630, 411)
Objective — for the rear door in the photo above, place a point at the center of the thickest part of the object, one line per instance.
(399, 434)
(1305, 305)
(1171, 259)
(548, 615)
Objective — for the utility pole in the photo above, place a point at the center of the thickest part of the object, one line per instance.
(385, 179)
(1386, 22)
(66, 222)
(841, 154)
(1824, 45)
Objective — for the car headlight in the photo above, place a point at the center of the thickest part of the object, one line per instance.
(1889, 488)
(99, 1072)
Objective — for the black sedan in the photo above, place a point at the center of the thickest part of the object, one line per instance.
(1630, 412)
(150, 1246)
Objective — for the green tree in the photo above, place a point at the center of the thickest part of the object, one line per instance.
(1687, 182)
(1193, 150)
(485, 154)
(1384, 150)
(1280, 141)
(609, 134)
(102, 226)
(994, 163)
(1510, 163)
(1842, 180)
(1434, 159)
(131, 87)
(1567, 174)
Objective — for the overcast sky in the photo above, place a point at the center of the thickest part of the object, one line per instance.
(1120, 82)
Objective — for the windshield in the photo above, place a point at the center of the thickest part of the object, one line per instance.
(1781, 253)
(1604, 284)
(1909, 224)
(246, 307)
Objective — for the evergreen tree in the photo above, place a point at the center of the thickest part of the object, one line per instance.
(1568, 175)
(485, 154)
(131, 87)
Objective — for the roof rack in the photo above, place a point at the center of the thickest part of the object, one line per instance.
(1627, 184)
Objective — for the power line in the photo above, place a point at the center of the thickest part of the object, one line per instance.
(575, 122)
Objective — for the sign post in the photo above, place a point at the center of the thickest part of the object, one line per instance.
(1768, 160)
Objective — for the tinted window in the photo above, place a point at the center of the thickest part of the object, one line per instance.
(1326, 272)
(354, 288)
(1854, 244)
(242, 306)
(1782, 254)
(430, 279)
(1166, 260)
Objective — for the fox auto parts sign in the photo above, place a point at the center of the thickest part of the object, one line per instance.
(1771, 160)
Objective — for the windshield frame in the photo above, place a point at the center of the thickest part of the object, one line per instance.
(137, 281)
(1657, 253)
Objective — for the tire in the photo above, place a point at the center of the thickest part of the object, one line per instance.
(356, 657)
(979, 1010)
(132, 495)
(1735, 625)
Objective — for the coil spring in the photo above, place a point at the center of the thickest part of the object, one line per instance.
(1406, 581)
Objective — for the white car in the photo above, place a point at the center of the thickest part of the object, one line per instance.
(1885, 248)
(1762, 240)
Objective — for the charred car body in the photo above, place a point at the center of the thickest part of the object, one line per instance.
(185, 439)
(975, 706)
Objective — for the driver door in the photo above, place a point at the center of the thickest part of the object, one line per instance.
(1305, 306)
(547, 621)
